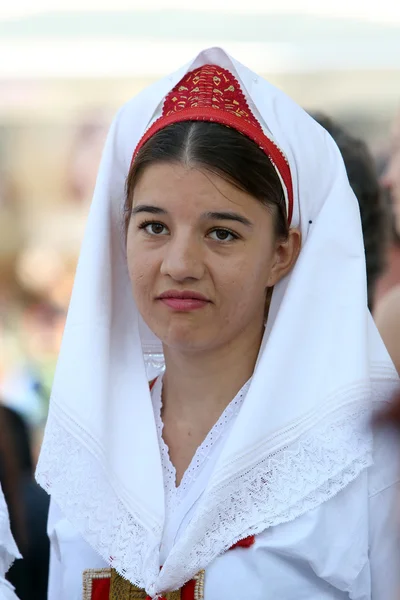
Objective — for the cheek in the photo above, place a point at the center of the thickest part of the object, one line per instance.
(243, 286)
(140, 270)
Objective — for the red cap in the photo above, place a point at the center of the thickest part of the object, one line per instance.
(212, 93)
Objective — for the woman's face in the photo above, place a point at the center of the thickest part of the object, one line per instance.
(201, 254)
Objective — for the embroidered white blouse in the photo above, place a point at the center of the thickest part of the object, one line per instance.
(346, 548)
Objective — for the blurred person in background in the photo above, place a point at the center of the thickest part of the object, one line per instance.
(85, 156)
(29, 575)
(387, 313)
(363, 178)
(197, 441)
(25, 384)
(12, 526)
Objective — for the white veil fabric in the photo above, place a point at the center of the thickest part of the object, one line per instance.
(302, 433)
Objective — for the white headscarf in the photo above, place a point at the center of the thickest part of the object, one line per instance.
(301, 435)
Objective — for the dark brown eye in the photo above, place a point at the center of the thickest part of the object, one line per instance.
(222, 235)
(154, 228)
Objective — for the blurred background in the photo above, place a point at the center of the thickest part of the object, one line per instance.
(66, 67)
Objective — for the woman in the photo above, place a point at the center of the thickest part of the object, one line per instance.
(247, 471)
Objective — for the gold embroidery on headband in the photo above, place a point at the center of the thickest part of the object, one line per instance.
(201, 87)
(213, 94)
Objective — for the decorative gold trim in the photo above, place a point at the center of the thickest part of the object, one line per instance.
(88, 577)
(199, 587)
(122, 589)
(172, 595)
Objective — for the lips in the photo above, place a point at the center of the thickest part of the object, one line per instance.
(183, 295)
(183, 300)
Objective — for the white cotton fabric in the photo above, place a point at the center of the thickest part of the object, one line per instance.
(8, 551)
(301, 435)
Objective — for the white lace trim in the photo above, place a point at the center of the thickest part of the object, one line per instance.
(174, 493)
(86, 496)
(286, 480)
(282, 486)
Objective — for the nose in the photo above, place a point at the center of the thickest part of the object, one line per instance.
(183, 258)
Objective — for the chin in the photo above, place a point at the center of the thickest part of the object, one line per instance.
(186, 339)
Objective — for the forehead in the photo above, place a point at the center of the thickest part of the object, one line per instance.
(191, 190)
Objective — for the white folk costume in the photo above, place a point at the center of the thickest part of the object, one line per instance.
(8, 551)
(290, 471)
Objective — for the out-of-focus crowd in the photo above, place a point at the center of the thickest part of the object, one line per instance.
(38, 253)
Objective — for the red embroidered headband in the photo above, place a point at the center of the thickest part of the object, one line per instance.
(212, 93)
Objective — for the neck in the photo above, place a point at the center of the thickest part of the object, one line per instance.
(208, 381)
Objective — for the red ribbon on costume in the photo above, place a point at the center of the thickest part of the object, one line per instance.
(245, 543)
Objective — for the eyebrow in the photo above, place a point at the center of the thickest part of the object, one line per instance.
(228, 216)
(217, 216)
(154, 210)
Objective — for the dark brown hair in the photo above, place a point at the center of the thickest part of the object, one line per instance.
(220, 150)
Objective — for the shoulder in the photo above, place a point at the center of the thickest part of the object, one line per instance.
(389, 305)
(387, 319)
(387, 314)
(384, 473)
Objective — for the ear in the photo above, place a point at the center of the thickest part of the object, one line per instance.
(286, 253)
